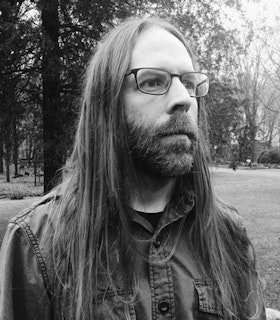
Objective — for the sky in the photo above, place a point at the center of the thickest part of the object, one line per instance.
(264, 15)
(263, 11)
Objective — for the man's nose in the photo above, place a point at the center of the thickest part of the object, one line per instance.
(180, 100)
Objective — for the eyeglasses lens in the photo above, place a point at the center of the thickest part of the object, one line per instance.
(153, 81)
(196, 83)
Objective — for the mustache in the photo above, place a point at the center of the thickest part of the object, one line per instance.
(178, 125)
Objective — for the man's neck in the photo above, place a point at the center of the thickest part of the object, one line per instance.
(151, 194)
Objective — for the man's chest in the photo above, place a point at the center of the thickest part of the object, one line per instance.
(170, 284)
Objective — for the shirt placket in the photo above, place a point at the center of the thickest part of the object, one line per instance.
(161, 285)
(162, 292)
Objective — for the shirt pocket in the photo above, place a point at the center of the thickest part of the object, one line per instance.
(207, 304)
(110, 305)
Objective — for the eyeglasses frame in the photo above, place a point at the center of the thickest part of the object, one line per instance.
(172, 75)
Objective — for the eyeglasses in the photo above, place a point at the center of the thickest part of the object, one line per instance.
(157, 82)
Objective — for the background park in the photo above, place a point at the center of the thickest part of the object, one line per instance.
(44, 48)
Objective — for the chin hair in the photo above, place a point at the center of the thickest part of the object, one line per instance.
(181, 166)
(172, 166)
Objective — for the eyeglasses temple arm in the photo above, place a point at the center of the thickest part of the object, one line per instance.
(200, 83)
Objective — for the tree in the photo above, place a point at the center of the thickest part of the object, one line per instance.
(258, 101)
(15, 35)
(203, 22)
(224, 116)
(270, 99)
(52, 122)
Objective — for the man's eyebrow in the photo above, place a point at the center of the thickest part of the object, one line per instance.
(164, 68)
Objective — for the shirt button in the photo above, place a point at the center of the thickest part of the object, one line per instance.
(163, 306)
(157, 244)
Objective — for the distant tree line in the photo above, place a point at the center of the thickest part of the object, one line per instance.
(45, 46)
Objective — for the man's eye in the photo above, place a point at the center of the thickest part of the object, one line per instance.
(151, 83)
(189, 85)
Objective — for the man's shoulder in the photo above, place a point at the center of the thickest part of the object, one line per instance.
(34, 219)
(24, 249)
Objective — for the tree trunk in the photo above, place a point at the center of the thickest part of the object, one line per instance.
(35, 166)
(1, 155)
(8, 171)
(15, 147)
(29, 150)
(7, 162)
(52, 126)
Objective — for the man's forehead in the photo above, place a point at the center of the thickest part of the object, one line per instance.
(157, 47)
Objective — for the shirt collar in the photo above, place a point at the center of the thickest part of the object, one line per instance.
(173, 212)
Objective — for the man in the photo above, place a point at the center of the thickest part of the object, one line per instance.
(134, 231)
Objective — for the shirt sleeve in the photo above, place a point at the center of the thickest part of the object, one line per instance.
(23, 293)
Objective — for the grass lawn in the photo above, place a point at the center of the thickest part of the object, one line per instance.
(21, 186)
(256, 194)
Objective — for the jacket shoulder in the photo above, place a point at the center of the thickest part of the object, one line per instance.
(24, 268)
(34, 219)
(26, 232)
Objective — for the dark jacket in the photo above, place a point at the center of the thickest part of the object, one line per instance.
(169, 288)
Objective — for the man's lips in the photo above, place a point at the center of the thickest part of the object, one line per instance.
(178, 135)
(183, 138)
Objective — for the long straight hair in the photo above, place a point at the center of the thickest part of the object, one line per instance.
(90, 220)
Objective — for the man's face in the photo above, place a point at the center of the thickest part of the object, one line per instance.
(162, 128)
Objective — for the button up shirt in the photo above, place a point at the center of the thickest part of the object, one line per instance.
(172, 283)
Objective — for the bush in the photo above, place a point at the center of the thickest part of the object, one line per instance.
(16, 192)
(270, 156)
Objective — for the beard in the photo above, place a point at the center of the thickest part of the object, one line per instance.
(154, 154)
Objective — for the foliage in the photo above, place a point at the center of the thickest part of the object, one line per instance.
(257, 77)
(224, 113)
(18, 67)
(216, 45)
(251, 84)
(16, 193)
(270, 156)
